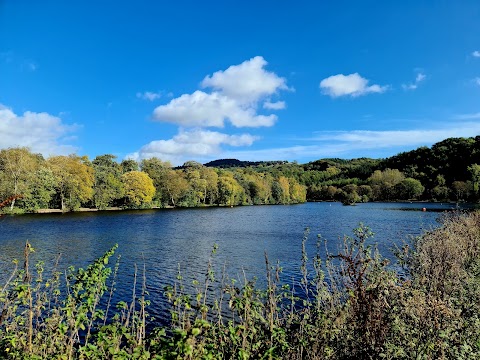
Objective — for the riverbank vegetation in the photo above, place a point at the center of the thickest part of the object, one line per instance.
(71, 182)
(448, 171)
(348, 305)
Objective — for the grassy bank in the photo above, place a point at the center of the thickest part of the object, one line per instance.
(350, 305)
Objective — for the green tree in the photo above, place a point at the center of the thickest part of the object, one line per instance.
(460, 190)
(383, 183)
(176, 186)
(409, 189)
(108, 185)
(440, 191)
(197, 187)
(42, 189)
(474, 171)
(139, 189)
(128, 165)
(158, 171)
(365, 192)
(18, 167)
(74, 180)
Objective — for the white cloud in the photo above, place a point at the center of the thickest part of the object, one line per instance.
(476, 53)
(234, 98)
(202, 109)
(477, 81)
(247, 82)
(349, 85)
(279, 105)
(41, 132)
(197, 143)
(149, 95)
(418, 79)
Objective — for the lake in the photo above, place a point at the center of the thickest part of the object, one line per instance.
(165, 240)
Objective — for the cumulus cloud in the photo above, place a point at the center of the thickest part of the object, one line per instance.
(149, 95)
(418, 79)
(202, 109)
(349, 85)
(476, 54)
(279, 105)
(234, 97)
(41, 132)
(196, 143)
(247, 82)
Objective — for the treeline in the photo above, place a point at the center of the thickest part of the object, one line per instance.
(447, 171)
(71, 182)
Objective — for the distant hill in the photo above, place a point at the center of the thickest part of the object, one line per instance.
(235, 163)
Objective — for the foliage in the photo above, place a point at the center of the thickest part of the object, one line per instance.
(108, 184)
(74, 179)
(448, 171)
(139, 189)
(17, 172)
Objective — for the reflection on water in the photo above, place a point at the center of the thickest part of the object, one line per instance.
(164, 240)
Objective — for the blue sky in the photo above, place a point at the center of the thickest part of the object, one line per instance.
(269, 80)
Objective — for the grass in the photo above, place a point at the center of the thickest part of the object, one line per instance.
(350, 305)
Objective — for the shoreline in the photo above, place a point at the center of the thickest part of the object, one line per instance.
(59, 211)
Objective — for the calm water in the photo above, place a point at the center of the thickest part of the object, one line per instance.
(164, 240)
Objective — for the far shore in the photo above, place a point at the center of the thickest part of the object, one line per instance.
(59, 211)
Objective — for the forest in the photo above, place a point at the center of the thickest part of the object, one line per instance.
(447, 171)
(71, 182)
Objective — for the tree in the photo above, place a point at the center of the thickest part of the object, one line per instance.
(461, 190)
(365, 192)
(175, 185)
(108, 185)
(440, 191)
(230, 192)
(18, 166)
(42, 189)
(383, 183)
(409, 189)
(350, 194)
(128, 165)
(139, 189)
(474, 170)
(74, 180)
(197, 186)
(285, 187)
(211, 190)
(158, 172)
(298, 193)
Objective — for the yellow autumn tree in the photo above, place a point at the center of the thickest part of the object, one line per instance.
(139, 189)
(285, 187)
(73, 180)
